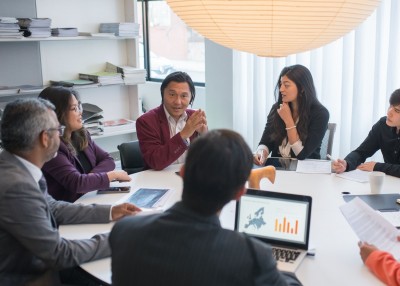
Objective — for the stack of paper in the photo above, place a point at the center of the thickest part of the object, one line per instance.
(120, 29)
(131, 75)
(371, 227)
(35, 27)
(9, 28)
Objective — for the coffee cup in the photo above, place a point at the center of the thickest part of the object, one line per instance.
(376, 181)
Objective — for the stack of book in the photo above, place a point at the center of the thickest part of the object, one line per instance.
(120, 29)
(130, 75)
(64, 32)
(103, 78)
(9, 28)
(93, 119)
(35, 27)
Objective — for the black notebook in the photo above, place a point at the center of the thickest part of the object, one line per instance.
(380, 202)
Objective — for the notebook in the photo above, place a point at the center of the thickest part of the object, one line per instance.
(282, 220)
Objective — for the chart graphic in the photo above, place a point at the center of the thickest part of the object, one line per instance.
(286, 226)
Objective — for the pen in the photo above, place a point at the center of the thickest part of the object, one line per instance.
(330, 157)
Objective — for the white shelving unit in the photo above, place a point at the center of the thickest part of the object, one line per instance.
(63, 58)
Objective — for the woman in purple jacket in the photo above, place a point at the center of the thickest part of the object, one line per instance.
(80, 166)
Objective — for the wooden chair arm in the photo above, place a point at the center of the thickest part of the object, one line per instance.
(257, 174)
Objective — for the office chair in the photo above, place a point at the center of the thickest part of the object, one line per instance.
(131, 157)
(327, 141)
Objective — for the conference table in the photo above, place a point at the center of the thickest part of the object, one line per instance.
(336, 260)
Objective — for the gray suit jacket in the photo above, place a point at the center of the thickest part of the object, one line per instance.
(180, 247)
(30, 246)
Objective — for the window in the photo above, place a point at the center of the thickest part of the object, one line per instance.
(167, 44)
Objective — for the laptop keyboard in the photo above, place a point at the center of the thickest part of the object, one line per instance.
(285, 255)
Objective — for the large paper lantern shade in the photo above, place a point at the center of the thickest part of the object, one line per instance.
(273, 28)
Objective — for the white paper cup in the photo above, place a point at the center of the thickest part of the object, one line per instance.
(376, 181)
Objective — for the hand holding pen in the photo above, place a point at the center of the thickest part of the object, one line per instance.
(260, 157)
(339, 165)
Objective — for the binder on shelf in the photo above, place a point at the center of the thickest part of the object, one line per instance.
(94, 119)
(73, 83)
(95, 130)
(90, 111)
(64, 32)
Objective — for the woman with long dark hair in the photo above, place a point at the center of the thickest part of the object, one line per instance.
(297, 121)
(80, 165)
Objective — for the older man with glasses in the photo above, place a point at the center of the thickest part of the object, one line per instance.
(31, 249)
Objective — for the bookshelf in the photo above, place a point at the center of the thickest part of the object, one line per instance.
(36, 61)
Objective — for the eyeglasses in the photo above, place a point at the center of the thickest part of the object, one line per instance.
(60, 130)
(77, 108)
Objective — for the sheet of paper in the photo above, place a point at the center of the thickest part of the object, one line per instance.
(392, 217)
(313, 166)
(371, 227)
(355, 175)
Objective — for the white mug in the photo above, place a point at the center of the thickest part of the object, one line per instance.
(376, 181)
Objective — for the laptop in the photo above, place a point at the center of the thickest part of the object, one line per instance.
(282, 220)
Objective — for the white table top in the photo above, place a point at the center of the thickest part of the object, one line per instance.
(337, 260)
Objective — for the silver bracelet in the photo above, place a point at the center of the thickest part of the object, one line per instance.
(288, 128)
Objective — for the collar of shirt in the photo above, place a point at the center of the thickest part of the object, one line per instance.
(33, 169)
(175, 126)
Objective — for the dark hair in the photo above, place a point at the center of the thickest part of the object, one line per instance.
(395, 98)
(22, 122)
(307, 96)
(178, 77)
(61, 97)
(218, 163)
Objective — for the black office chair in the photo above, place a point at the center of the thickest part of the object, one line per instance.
(327, 141)
(131, 157)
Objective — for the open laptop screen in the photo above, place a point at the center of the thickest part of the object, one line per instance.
(276, 218)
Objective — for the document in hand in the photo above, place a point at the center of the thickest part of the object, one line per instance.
(371, 227)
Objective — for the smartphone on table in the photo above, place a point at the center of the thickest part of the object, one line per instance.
(114, 190)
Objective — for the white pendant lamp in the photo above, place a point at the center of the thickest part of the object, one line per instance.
(273, 28)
